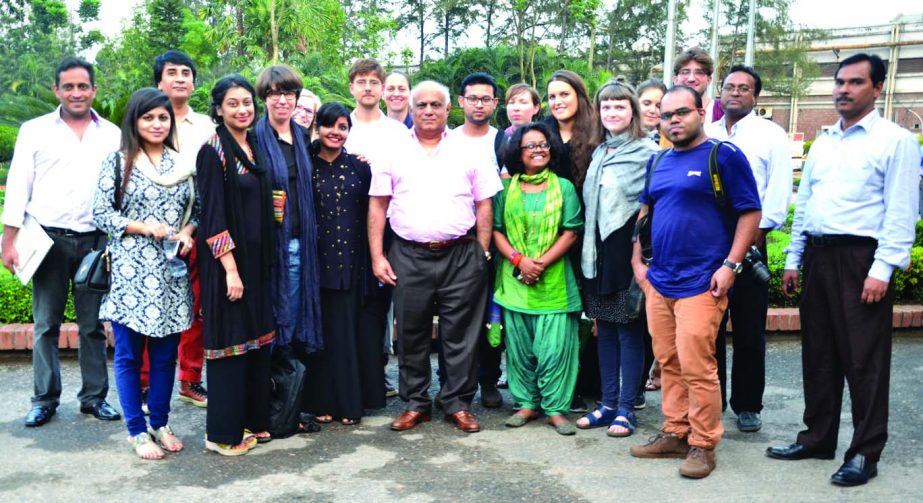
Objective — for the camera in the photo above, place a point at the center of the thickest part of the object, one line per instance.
(753, 263)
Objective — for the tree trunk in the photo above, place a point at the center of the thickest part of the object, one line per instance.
(274, 30)
(422, 18)
(490, 18)
(241, 51)
(591, 52)
(446, 23)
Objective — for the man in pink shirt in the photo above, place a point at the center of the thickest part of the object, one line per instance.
(441, 215)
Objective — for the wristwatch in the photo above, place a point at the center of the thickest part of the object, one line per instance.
(487, 255)
(737, 267)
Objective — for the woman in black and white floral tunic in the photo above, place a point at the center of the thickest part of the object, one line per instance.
(144, 199)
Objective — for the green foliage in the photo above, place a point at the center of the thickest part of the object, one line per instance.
(16, 301)
(918, 238)
(807, 147)
(7, 142)
(776, 241)
(908, 285)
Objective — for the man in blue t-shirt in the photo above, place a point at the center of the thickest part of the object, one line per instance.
(698, 247)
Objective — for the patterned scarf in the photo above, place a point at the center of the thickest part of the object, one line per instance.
(515, 214)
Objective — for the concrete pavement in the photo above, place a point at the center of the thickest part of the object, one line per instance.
(77, 458)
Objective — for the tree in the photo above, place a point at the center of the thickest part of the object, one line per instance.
(370, 22)
(633, 32)
(413, 13)
(455, 16)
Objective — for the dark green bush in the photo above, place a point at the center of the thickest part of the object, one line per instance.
(16, 301)
(7, 142)
(4, 172)
(776, 241)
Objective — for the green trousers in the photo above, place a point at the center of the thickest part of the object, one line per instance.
(542, 355)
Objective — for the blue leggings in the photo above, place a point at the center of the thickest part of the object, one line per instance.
(621, 351)
(129, 348)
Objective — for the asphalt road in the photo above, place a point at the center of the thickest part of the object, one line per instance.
(77, 458)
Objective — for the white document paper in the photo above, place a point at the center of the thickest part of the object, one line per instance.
(32, 244)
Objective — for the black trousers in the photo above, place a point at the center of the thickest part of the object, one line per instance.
(747, 307)
(842, 337)
(238, 395)
(453, 284)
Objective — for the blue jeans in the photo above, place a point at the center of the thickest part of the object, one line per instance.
(621, 351)
(294, 279)
(129, 348)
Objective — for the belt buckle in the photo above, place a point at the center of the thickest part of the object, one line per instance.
(434, 245)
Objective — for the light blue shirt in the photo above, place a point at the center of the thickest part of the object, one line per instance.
(862, 182)
(767, 148)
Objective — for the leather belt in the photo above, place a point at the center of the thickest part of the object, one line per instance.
(57, 231)
(838, 240)
(438, 245)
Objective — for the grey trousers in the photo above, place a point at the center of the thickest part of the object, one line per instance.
(452, 284)
(50, 286)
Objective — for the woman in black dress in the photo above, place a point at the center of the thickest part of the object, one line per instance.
(239, 231)
(346, 376)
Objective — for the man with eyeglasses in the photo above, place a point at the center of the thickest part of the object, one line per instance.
(441, 215)
(698, 247)
(694, 68)
(768, 150)
(478, 99)
(381, 140)
(52, 180)
(853, 228)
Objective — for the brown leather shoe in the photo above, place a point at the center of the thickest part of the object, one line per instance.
(408, 419)
(465, 421)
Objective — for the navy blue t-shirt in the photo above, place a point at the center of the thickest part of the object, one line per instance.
(691, 234)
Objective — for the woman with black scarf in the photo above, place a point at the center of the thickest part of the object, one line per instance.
(238, 231)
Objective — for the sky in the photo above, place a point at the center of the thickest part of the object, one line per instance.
(812, 13)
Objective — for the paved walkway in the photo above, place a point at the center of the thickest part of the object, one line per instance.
(77, 458)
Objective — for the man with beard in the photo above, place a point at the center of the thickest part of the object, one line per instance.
(854, 226)
(698, 247)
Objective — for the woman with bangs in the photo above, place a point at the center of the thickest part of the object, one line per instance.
(612, 194)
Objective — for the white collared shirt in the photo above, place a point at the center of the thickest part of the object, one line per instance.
(193, 131)
(53, 173)
(767, 148)
(861, 182)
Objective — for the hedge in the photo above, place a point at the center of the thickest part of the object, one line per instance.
(16, 301)
(7, 142)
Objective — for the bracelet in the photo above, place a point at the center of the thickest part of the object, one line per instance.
(516, 258)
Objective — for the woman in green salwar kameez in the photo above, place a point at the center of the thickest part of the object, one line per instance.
(536, 220)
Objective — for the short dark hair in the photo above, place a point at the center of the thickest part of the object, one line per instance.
(696, 54)
(511, 153)
(70, 63)
(221, 89)
(757, 81)
(476, 78)
(172, 56)
(682, 87)
(278, 78)
(328, 114)
(875, 62)
(367, 65)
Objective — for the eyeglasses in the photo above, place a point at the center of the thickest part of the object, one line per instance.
(275, 95)
(742, 89)
(474, 100)
(303, 110)
(532, 145)
(680, 112)
(685, 72)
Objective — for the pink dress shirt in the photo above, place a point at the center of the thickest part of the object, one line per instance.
(433, 193)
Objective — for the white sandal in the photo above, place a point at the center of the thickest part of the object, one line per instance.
(167, 440)
(143, 442)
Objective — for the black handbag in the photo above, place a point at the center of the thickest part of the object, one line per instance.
(94, 271)
(287, 374)
(96, 267)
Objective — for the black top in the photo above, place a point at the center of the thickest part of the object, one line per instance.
(613, 261)
(288, 150)
(341, 205)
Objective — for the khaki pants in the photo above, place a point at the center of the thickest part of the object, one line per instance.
(683, 333)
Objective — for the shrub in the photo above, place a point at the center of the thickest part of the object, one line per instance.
(918, 238)
(776, 241)
(4, 172)
(7, 142)
(16, 301)
(807, 147)
(908, 285)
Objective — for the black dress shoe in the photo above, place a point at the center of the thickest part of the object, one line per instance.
(39, 415)
(102, 411)
(855, 472)
(490, 396)
(795, 452)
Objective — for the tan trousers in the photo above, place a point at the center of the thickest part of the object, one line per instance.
(683, 332)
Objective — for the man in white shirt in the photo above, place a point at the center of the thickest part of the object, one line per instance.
(479, 141)
(854, 225)
(52, 179)
(379, 139)
(174, 74)
(767, 149)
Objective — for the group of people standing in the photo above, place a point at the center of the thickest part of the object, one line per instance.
(306, 228)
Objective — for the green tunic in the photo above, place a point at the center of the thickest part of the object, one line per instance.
(557, 290)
